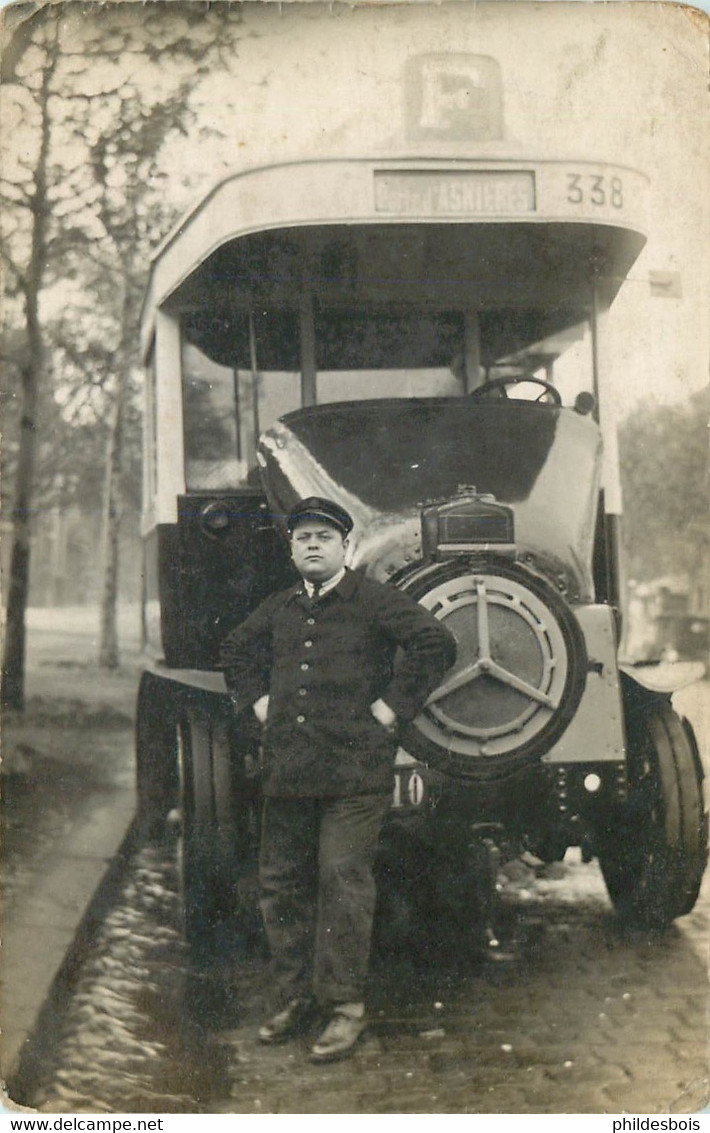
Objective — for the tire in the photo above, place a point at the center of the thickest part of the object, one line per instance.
(157, 777)
(217, 849)
(653, 852)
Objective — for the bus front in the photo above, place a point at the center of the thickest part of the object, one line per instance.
(389, 334)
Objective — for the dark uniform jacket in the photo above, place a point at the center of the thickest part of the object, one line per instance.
(323, 664)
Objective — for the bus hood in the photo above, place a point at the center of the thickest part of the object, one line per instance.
(384, 460)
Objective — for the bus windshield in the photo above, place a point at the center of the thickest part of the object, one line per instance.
(227, 406)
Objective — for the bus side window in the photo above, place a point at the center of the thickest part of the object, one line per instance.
(225, 408)
(212, 450)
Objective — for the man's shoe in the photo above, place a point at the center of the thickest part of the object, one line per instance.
(342, 1033)
(286, 1024)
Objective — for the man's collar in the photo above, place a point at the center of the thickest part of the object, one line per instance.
(344, 588)
(324, 587)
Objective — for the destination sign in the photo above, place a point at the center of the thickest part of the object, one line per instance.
(465, 193)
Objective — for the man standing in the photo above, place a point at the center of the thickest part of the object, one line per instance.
(317, 665)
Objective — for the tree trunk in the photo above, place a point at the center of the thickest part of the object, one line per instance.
(12, 694)
(12, 690)
(113, 498)
(108, 647)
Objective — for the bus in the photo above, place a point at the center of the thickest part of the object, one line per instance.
(386, 329)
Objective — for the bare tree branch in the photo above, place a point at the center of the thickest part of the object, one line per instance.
(17, 187)
(10, 264)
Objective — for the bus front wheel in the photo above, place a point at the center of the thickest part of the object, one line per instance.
(653, 851)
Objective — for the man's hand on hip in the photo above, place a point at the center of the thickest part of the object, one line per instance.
(261, 708)
(384, 714)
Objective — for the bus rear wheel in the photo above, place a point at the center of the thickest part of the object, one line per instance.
(217, 847)
(653, 851)
(156, 754)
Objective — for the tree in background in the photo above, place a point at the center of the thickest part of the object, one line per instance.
(123, 164)
(90, 98)
(665, 480)
(29, 195)
(70, 432)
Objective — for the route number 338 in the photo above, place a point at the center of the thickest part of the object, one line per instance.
(595, 189)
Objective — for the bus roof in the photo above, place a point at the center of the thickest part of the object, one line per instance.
(533, 235)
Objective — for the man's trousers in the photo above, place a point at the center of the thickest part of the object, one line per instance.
(318, 894)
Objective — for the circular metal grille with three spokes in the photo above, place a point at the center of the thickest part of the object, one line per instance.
(520, 665)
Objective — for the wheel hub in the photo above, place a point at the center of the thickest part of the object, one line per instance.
(512, 669)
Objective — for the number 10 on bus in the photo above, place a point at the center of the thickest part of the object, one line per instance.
(409, 789)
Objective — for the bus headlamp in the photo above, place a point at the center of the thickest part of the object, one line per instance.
(214, 518)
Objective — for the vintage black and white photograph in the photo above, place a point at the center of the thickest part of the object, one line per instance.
(355, 557)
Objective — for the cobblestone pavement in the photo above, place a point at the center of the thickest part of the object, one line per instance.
(576, 1016)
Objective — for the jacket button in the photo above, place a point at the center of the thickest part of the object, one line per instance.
(308, 644)
(305, 665)
(310, 621)
(302, 691)
(300, 719)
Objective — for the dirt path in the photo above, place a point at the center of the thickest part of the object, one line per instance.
(67, 789)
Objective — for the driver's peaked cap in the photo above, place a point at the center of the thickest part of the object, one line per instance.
(322, 510)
